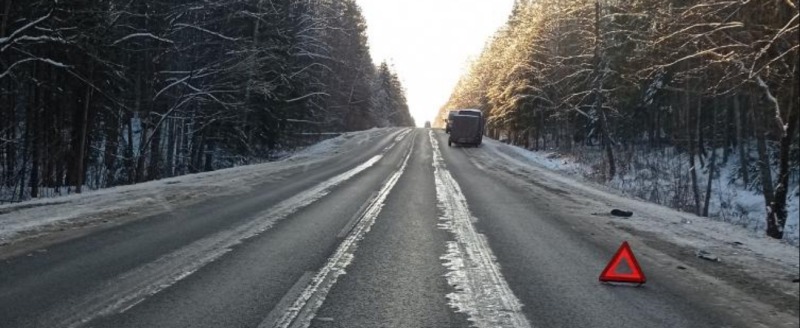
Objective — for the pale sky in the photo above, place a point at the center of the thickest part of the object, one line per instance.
(430, 42)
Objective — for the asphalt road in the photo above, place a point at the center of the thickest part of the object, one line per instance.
(402, 232)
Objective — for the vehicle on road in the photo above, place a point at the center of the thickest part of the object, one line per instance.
(449, 119)
(427, 124)
(466, 128)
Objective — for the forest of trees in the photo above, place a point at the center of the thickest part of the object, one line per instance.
(628, 77)
(97, 93)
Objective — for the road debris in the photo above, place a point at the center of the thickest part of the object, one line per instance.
(617, 212)
(707, 256)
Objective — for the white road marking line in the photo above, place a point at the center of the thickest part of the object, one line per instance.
(303, 310)
(287, 300)
(357, 217)
(481, 291)
(131, 288)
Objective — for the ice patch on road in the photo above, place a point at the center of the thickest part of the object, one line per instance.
(481, 291)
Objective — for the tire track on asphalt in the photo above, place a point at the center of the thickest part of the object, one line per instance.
(306, 303)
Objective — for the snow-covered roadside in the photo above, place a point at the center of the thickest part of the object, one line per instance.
(731, 203)
(34, 218)
(758, 256)
(653, 180)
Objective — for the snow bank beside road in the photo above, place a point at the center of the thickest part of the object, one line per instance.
(33, 218)
(731, 203)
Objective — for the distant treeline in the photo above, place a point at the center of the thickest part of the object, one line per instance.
(108, 92)
(632, 76)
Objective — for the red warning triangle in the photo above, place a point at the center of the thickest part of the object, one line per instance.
(610, 272)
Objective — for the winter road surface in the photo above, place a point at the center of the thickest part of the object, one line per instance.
(392, 229)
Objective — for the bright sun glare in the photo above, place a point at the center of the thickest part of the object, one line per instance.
(430, 43)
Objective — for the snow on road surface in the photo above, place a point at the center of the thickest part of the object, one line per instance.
(304, 308)
(39, 217)
(481, 291)
(772, 261)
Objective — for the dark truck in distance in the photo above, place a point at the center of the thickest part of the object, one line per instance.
(449, 119)
(466, 127)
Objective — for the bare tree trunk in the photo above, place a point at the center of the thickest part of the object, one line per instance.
(208, 164)
(11, 150)
(129, 152)
(143, 152)
(727, 136)
(607, 143)
(698, 132)
(7, 125)
(28, 138)
(81, 156)
(527, 138)
(154, 170)
(598, 96)
(692, 153)
(133, 157)
(538, 132)
(171, 147)
(32, 131)
(776, 210)
(712, 161)
(741, 142)
(652, 122)
(197, 152)
(22, 171)
(112, 150)
(763, 164)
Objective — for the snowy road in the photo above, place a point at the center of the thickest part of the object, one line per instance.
(385, 228)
